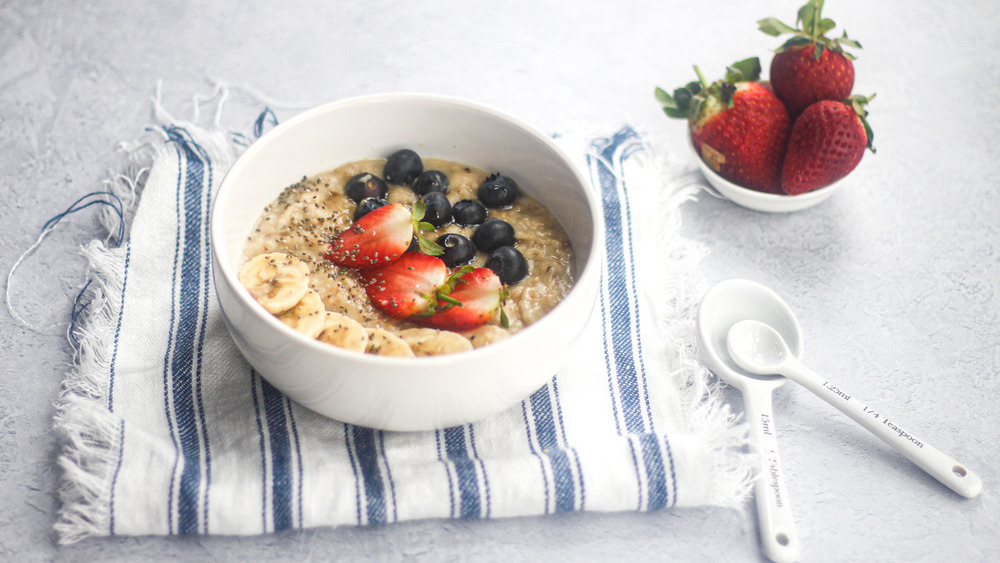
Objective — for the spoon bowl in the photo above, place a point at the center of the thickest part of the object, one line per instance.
(730, 302)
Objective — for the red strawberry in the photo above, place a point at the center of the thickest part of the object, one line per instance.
(475, 300)
(826, 144)
(810, 67)
(406, 287)
(380, 237)
(738, 126)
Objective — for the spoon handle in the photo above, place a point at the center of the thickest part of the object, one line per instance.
(945, 469)
(774, 513)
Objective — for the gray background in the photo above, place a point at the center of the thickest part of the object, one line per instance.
(896, 279)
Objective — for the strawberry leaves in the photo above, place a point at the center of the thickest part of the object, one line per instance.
(426, 245)
(686, 101)
(814, 29)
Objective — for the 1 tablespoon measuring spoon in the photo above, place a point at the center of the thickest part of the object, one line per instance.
(722, 306)
(758, 348)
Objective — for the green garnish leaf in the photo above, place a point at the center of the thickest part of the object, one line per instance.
(504, 321)
(427, 246)
(418, 211)
(454, 278)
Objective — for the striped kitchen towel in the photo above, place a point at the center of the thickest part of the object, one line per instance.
(167, 430)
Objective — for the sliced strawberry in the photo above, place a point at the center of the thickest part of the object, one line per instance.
(471, 299)
(381, 236)
(407, 286)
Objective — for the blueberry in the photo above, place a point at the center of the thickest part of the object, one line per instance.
(403, 167)
(438, 211)
(367, 205)
(458, 250)
(508, 264)
(365, 185)
(430, 181)
(498, 191)
(468, 212)
(492, 235)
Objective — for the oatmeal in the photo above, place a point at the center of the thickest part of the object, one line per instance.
(501, 257)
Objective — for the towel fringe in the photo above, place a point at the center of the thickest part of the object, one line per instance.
(710, 419)
(89, 431)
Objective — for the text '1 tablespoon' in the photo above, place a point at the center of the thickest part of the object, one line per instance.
(724, 304)
(758, 348)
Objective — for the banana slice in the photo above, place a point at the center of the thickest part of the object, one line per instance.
(276, 280)
(486, 334)
(381, 342)
(430, 342)
(308, 316)
(344, 332)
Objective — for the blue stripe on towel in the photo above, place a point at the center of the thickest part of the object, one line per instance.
(623, 319)
(571, 451)
(448, 469)
(191, 308)
(281, 457)
(118, 328)
(374, 486)
(545, 433)
(263, 450)
(465, 472)
(388, 477)
(530, 433)
(487, 500)
(656, 497)
(623, 351)
(298, 460)
(111, 386)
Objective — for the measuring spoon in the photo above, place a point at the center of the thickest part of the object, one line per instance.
(759, 348)
(724, 305)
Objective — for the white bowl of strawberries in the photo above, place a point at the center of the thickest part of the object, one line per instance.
(384, 391)
(786, 144)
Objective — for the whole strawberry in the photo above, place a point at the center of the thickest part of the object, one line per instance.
(737, 125)
(826, 144)
(810, 67)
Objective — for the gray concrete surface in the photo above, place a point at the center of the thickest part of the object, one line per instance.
(896, 280)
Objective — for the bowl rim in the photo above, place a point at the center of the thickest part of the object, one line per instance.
(222, 262)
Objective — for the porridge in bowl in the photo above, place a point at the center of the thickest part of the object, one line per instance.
(407, 256)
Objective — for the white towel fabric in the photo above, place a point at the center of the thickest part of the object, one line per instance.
(167, 430)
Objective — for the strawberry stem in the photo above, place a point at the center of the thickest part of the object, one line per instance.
(701, 77)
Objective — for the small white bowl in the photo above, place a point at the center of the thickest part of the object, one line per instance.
(405, 393)
(762, 201)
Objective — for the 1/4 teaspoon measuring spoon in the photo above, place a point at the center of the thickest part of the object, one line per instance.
(759, 348)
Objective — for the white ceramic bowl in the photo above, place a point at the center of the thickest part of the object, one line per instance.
(761, 201)
(404, 393)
